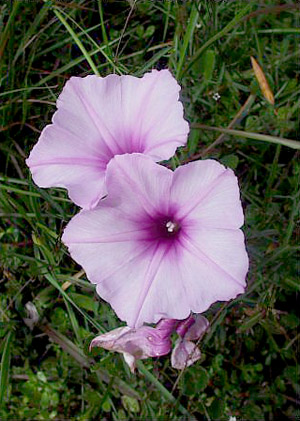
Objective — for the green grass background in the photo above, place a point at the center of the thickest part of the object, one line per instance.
(249, 358)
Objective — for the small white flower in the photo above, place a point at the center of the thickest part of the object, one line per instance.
(232, 418)
(216, 97)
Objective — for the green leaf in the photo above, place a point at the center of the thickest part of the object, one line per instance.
(292, 284)
(230, 161)
(250, 322)
(208, 64)
(194, 382)
(216, 409)
(85, 302)
(252, 412)
(106, 406)
(140, 31)
(149, 31)
(130, 404)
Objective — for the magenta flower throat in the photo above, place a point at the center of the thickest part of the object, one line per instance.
(163, 243)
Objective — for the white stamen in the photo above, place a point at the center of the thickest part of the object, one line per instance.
(170, 226)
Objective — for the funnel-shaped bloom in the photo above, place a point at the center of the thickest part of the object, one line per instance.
(185, 352)
(98, 118)
(163, 243)
(140, 343)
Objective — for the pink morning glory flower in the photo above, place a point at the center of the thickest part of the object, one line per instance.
(98, 118)
(162, 243)
(185, 352)
(140, 343)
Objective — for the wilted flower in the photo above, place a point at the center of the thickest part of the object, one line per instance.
(185, 352)
(146, 341)
(98, 118)
(140, 343)
(163, 243)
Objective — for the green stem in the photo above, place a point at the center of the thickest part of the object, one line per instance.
(4, 371)
(165, 393)
(249, 135)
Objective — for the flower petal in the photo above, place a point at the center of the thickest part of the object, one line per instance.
(105, 243)
(111, 340)
(209, 195)
(193, 327)
(166, 327)
(161, 122)
(63, 159)
(130, 360)
(140, 343)
(184, 354)
(152, 290)
(98, 118)
(138, 186)
(223, 249)
(205, 281)
(142, 114)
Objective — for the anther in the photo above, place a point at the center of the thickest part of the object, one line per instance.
(171, 227)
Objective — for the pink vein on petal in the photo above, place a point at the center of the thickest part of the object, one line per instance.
(205, 193)
(151, 272)
(189, 246)
(145, 203)
(143, 110)
(126, 262)
(85, 162)
(97, 151)
(95, 118)
(135, 235)
(161, 121)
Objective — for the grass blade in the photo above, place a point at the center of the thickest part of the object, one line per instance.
(217, 36)
(187, 38)
(5, 34)
(32, 29)
(294, 144)
(78, 42)
(87, 362)
(54, 282)
(4, 373)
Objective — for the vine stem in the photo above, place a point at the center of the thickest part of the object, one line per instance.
(167, 395)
